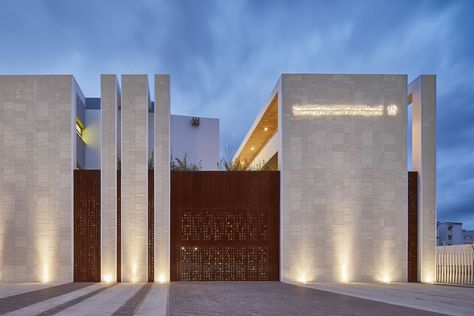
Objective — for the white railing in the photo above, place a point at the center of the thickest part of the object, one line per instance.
(455, 264)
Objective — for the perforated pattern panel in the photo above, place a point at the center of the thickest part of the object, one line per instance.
(151, 230)
(412, 226)
(225, 226)
(87, 225)
(119, 227)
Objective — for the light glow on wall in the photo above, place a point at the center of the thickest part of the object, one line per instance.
(45, 276)
(107, 278)
(134, 272)
(302, 279)
(338, 110)
(344, 274)
(428, 279)
(162, 278)
(386, 279)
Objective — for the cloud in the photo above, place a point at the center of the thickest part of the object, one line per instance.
(224, 57)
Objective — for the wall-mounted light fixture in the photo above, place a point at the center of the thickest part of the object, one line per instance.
(79, 128)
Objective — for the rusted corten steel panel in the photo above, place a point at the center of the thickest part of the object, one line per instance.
(119, 228)
(412, 226)
(86, 225)
(225, 225)
(151, 229)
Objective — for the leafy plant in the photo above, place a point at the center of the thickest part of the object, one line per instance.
(151, 161)
(177, 164)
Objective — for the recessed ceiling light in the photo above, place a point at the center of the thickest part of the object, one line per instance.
(251, 148)
(265, 129)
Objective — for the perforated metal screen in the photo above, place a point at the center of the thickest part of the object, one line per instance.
(225, 225)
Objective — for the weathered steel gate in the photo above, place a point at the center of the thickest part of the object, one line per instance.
(225, 225)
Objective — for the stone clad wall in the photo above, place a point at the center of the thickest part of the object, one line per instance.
(423, 96)
(110, 101)
(343, 181)
(162, 178)
(134, 181)
(36, 162)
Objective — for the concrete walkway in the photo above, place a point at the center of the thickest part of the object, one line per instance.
(451, 300)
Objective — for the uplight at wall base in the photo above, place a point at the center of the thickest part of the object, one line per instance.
(428, 279)
(344, 274)
(107, 278)
(386, 279)
(45, 276)
(162, 278)
(302, 279)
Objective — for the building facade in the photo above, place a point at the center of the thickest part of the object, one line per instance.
(340, 144)
(347, 208)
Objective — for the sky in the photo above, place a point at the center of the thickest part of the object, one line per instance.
(225, 56)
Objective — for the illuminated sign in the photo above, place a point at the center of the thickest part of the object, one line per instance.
(343, 110)
(392, 110)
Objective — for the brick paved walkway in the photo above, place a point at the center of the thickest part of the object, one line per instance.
(271, 298)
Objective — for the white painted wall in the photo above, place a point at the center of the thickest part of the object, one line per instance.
(92, 139)
(200, 143)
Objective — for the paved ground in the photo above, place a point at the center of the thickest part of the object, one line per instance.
(271, 298)
(452, 300)
(234, 298)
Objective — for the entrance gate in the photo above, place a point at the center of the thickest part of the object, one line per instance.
(225, 225)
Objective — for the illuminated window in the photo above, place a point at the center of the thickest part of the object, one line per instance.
(79, 127)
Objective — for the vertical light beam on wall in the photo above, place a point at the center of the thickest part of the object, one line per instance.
(134, 179)
(110, 100)
(162, 178)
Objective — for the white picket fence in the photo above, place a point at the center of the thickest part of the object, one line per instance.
(455, 264)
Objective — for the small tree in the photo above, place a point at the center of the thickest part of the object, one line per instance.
(226, 163)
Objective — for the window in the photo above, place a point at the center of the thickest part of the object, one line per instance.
(79, 127)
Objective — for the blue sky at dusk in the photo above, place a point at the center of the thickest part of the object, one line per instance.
(224, 57)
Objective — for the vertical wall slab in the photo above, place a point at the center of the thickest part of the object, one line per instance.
(134, 179)
(37, 115)
(162, 178)
(422, 93)
(110, 102)
(343, 180)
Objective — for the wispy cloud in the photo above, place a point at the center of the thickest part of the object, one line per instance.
(225, 57)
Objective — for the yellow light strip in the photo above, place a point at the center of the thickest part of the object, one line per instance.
(79, 127)
(338, 110)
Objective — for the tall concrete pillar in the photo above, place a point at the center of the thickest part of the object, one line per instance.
(162, 178)
(134, 178)
(37, 123)
(422, 94)
(110, 101)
